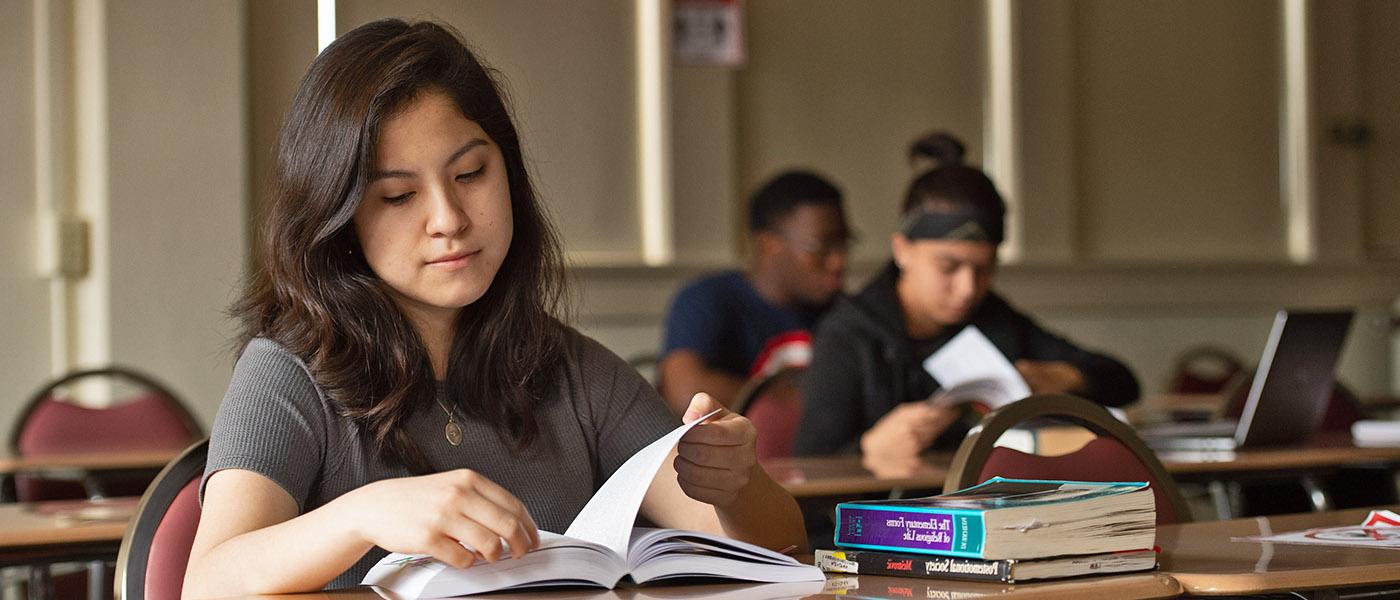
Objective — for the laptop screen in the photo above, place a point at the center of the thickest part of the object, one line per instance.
(1289, 395)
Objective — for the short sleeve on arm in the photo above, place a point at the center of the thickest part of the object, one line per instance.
(272, 422)
(628, 413)
(694, 321)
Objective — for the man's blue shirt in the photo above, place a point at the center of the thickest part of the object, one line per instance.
(722, 318)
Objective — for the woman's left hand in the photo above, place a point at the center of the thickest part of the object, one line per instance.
(1051, 377)
(715, 460)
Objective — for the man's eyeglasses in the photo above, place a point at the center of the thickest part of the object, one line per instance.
(822, 248)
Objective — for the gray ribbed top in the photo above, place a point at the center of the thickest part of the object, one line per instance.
(275, 421)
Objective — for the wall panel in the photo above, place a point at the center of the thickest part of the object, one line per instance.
(843, 87)
(1177, 130)
(24, 355)
(569, 68)
(176, 189)
(1380, 56)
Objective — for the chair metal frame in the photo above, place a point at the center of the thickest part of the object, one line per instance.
(976, 448)
(755, 387)
(128, 373)
(135, 550)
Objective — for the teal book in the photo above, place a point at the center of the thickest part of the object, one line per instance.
(1006, 519)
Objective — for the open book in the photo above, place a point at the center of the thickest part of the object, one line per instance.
(600, 548)
(969, 369)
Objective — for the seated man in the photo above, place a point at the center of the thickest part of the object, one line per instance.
(720, 328)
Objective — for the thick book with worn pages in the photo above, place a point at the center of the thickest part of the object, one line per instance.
(875, 562)
(600, 548)
(1006, 518)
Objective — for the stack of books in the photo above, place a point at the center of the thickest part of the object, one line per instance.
(1004, 530)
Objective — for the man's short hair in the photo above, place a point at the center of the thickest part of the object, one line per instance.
(785, 193)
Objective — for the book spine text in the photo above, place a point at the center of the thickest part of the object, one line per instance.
(864, 562)
(957, 533)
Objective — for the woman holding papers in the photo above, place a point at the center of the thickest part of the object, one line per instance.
(403, 383)
(867, 384)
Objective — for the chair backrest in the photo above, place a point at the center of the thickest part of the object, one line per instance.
(156, 547)
(1203, 369)
(142, 415)
(774, 404)
(1116, 454)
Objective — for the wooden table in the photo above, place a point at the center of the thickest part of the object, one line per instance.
(91, 469)
(1324, 452)
(1197, 559)
(63, 530)
(1204, 560)
(824, 476)
(1140, 585)
(848, 475)
(82, 463)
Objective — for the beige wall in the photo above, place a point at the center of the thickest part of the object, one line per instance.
(142, 136)
(843, 87)
(281, 44)
(1150, 150)
(1378, 56)
(1178, 130)
(708, 222)
(24, 357)
(569, 69)
(176, 194)
(1149, 132)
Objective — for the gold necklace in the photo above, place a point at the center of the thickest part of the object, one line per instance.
(453, 431)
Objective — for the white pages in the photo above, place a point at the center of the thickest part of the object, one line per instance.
(970, 369)
(599, 548)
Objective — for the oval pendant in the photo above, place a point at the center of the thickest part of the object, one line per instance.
(454, 433)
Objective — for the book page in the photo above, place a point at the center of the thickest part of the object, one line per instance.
(558, 560)
(607, 518)
(969, 366)
(991, 393)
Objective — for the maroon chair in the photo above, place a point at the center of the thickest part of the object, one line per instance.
(1204, 370)
(156, 547)
(1116, 454)
(142, 415)
(774, 405)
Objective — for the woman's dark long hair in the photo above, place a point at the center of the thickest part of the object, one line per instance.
(314, 293)
(949, 183)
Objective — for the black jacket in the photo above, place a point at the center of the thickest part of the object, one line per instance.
(864, 364)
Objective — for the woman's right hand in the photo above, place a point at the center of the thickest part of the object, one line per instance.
(431, 514)
(906, 431)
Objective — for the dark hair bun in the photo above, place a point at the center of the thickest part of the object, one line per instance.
(940, 147)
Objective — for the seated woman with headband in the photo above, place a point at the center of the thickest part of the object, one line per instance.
(866, 386)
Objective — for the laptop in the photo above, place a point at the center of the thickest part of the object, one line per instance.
(1288, 396)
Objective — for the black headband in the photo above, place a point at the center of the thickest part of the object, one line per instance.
(968, 226)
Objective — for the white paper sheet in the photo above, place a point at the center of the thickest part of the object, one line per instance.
(607, 518)
(971, 360)
(1380, 529)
